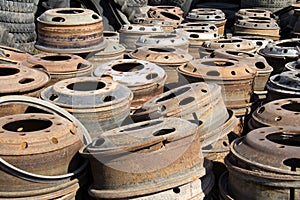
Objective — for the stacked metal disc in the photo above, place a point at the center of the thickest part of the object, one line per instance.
(151, 159)
(256, 22)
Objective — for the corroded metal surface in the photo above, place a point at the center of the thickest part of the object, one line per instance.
(10, 55)
(284, 85)
(144, 79)
(129, 34)
(229, 74)
(60, 66)
(229, 44)
(111, 36)
(163, 40)
(260, 13)
(258, 42)
(171, 17)
(293, 66)
(113, 51)
(199, 189)
(167, 26)
(267, 159)
(167, 57)
(142, 153)
(281, 52)
(172, 9)
(21, 80)
(254, 27)
(27, 139)
(197, 35)
(254, 61)
(197, 102)
(208, 15)
(70, 30)
(282, 112)
(99, 104)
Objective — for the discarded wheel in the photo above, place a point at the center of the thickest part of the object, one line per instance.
(281, 52)
(293, 66)
(282, 112)
(166, 26)
(60, 66)
(113, 51)
(143, 78)
(129, 34)
(30, 138)
(254, 61)
(166, 57)
(21, 80)
(229, 74)
(133, 171)
(199, 103)
(208, 15)
(10, 55)
(261, 28)
(258, 42)
(168, 16)
(171, 9)
(197, 36)
(284, 85)
(163, 41)
(70, 30)
(254, 14)
(266, 159)
(99, 104)
(229, 44)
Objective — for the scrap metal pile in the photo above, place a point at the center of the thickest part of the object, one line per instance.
(169, 107)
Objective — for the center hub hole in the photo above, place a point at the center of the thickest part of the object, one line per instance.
(56, 58)
(28, 125)
(294, 107)
(128, 67)
(8, 71)
(86, 86)
(285, 139)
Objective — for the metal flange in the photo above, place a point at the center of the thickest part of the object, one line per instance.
(70, 30)
(60, 66)
(254, 61)
(167, 26)
(197, 102)
(113, 51)
(21, 80)
(135, 148)
(100, 104)
(281, 52)
(171, 17)
(282, 112)
(254, 27)
(266, 159)
(230, 74)
(171, 9)
(163, 40)
(129, 34)
(144, 79)
(258, 42)
(169, 58)
(293, 66)
(284, 85)
(229, 44)
(10, 55)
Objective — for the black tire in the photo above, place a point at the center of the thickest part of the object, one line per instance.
(24, 1)
(25, 37)
(19, 7)
(19, 28)
(27, 47)
(14, 17)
